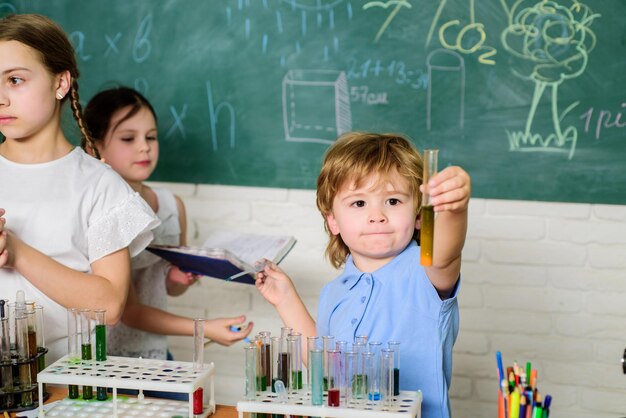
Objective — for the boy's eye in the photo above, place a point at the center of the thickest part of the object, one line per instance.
(394, 201)
(359, 203)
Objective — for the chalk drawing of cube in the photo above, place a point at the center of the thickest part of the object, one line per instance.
(316, 105)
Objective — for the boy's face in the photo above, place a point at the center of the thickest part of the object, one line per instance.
(376, 220)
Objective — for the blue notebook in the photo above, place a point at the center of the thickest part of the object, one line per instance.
(223, 263)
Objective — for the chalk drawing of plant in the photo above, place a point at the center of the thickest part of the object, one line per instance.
(552, 42)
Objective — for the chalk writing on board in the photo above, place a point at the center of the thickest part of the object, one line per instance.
(398, 4)
(78, 40)
(469, 38)
(604, 119)
(316, 105)
(553, 43)
(446, 72)
(363, 95)
(397, 70)
(112, 43)
(178, 122)
(214, 115)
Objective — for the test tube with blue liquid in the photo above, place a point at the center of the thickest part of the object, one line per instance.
(312, 343)
(316, 370)
(373, 376)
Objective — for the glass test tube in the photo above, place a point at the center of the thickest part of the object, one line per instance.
(250, 392)
(73, 351)
(85, 345)
(31, 321)
(41, 341)
(294, 343)
(6, 368)
(333, 377)
(349, 371)
(395, 346)
(373, 377)
(312, 343)
(364, 366)
(427, 230)
(267, 357)
(283, 359)
(328, 343)
(386, 376)
(23, 357)
(316, 371)
(101, 347)
(275, 342)
(198, 362)
(343, 347)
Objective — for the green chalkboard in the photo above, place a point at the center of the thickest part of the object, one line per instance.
(528, 96)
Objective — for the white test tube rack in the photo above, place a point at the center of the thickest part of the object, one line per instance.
(128, 373)
(408, 404)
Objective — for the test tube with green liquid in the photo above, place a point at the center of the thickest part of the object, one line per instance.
(294, 343)
(85, 345)
(101, 347)
(73, 352)
(427, 231)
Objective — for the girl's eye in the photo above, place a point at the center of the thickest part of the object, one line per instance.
(359, 203)
(16, 80)
(127, 139)
(151, 138)
(394, 201)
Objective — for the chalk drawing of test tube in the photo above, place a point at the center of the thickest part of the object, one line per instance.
(446, 79)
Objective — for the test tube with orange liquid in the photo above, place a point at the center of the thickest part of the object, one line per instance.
(427, 231)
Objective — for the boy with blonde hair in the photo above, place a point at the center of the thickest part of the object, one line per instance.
(369, 193)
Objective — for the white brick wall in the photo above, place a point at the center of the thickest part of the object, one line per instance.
(542, 282)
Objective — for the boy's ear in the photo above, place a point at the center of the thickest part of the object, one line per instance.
(418, 222)
(332, 224)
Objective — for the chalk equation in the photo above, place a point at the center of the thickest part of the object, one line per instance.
(552, 43)
(141, 47)
(396, 70)
(597, 121)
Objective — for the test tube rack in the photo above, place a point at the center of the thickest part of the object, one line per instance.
(128, 373)
(407, 404)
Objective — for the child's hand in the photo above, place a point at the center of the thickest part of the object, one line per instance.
(177, 277)
(274, 284)
(219, 330)
(4, 252)
(449, 190)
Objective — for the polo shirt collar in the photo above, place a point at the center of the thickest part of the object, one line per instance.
(352, 275)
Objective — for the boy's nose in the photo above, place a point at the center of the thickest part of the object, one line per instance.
(378, 217)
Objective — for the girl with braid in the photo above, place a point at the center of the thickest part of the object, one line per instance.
(68, 223)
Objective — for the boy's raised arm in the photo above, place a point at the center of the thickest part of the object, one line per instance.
(450, 192)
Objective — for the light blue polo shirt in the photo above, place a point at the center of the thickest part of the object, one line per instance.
(398, 303)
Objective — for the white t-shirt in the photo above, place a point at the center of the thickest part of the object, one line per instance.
(149, 275)
(76, 210)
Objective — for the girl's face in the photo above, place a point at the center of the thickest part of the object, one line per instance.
(131, 147)
(28, 105)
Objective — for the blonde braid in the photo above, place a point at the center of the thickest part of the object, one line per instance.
(77, 111)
